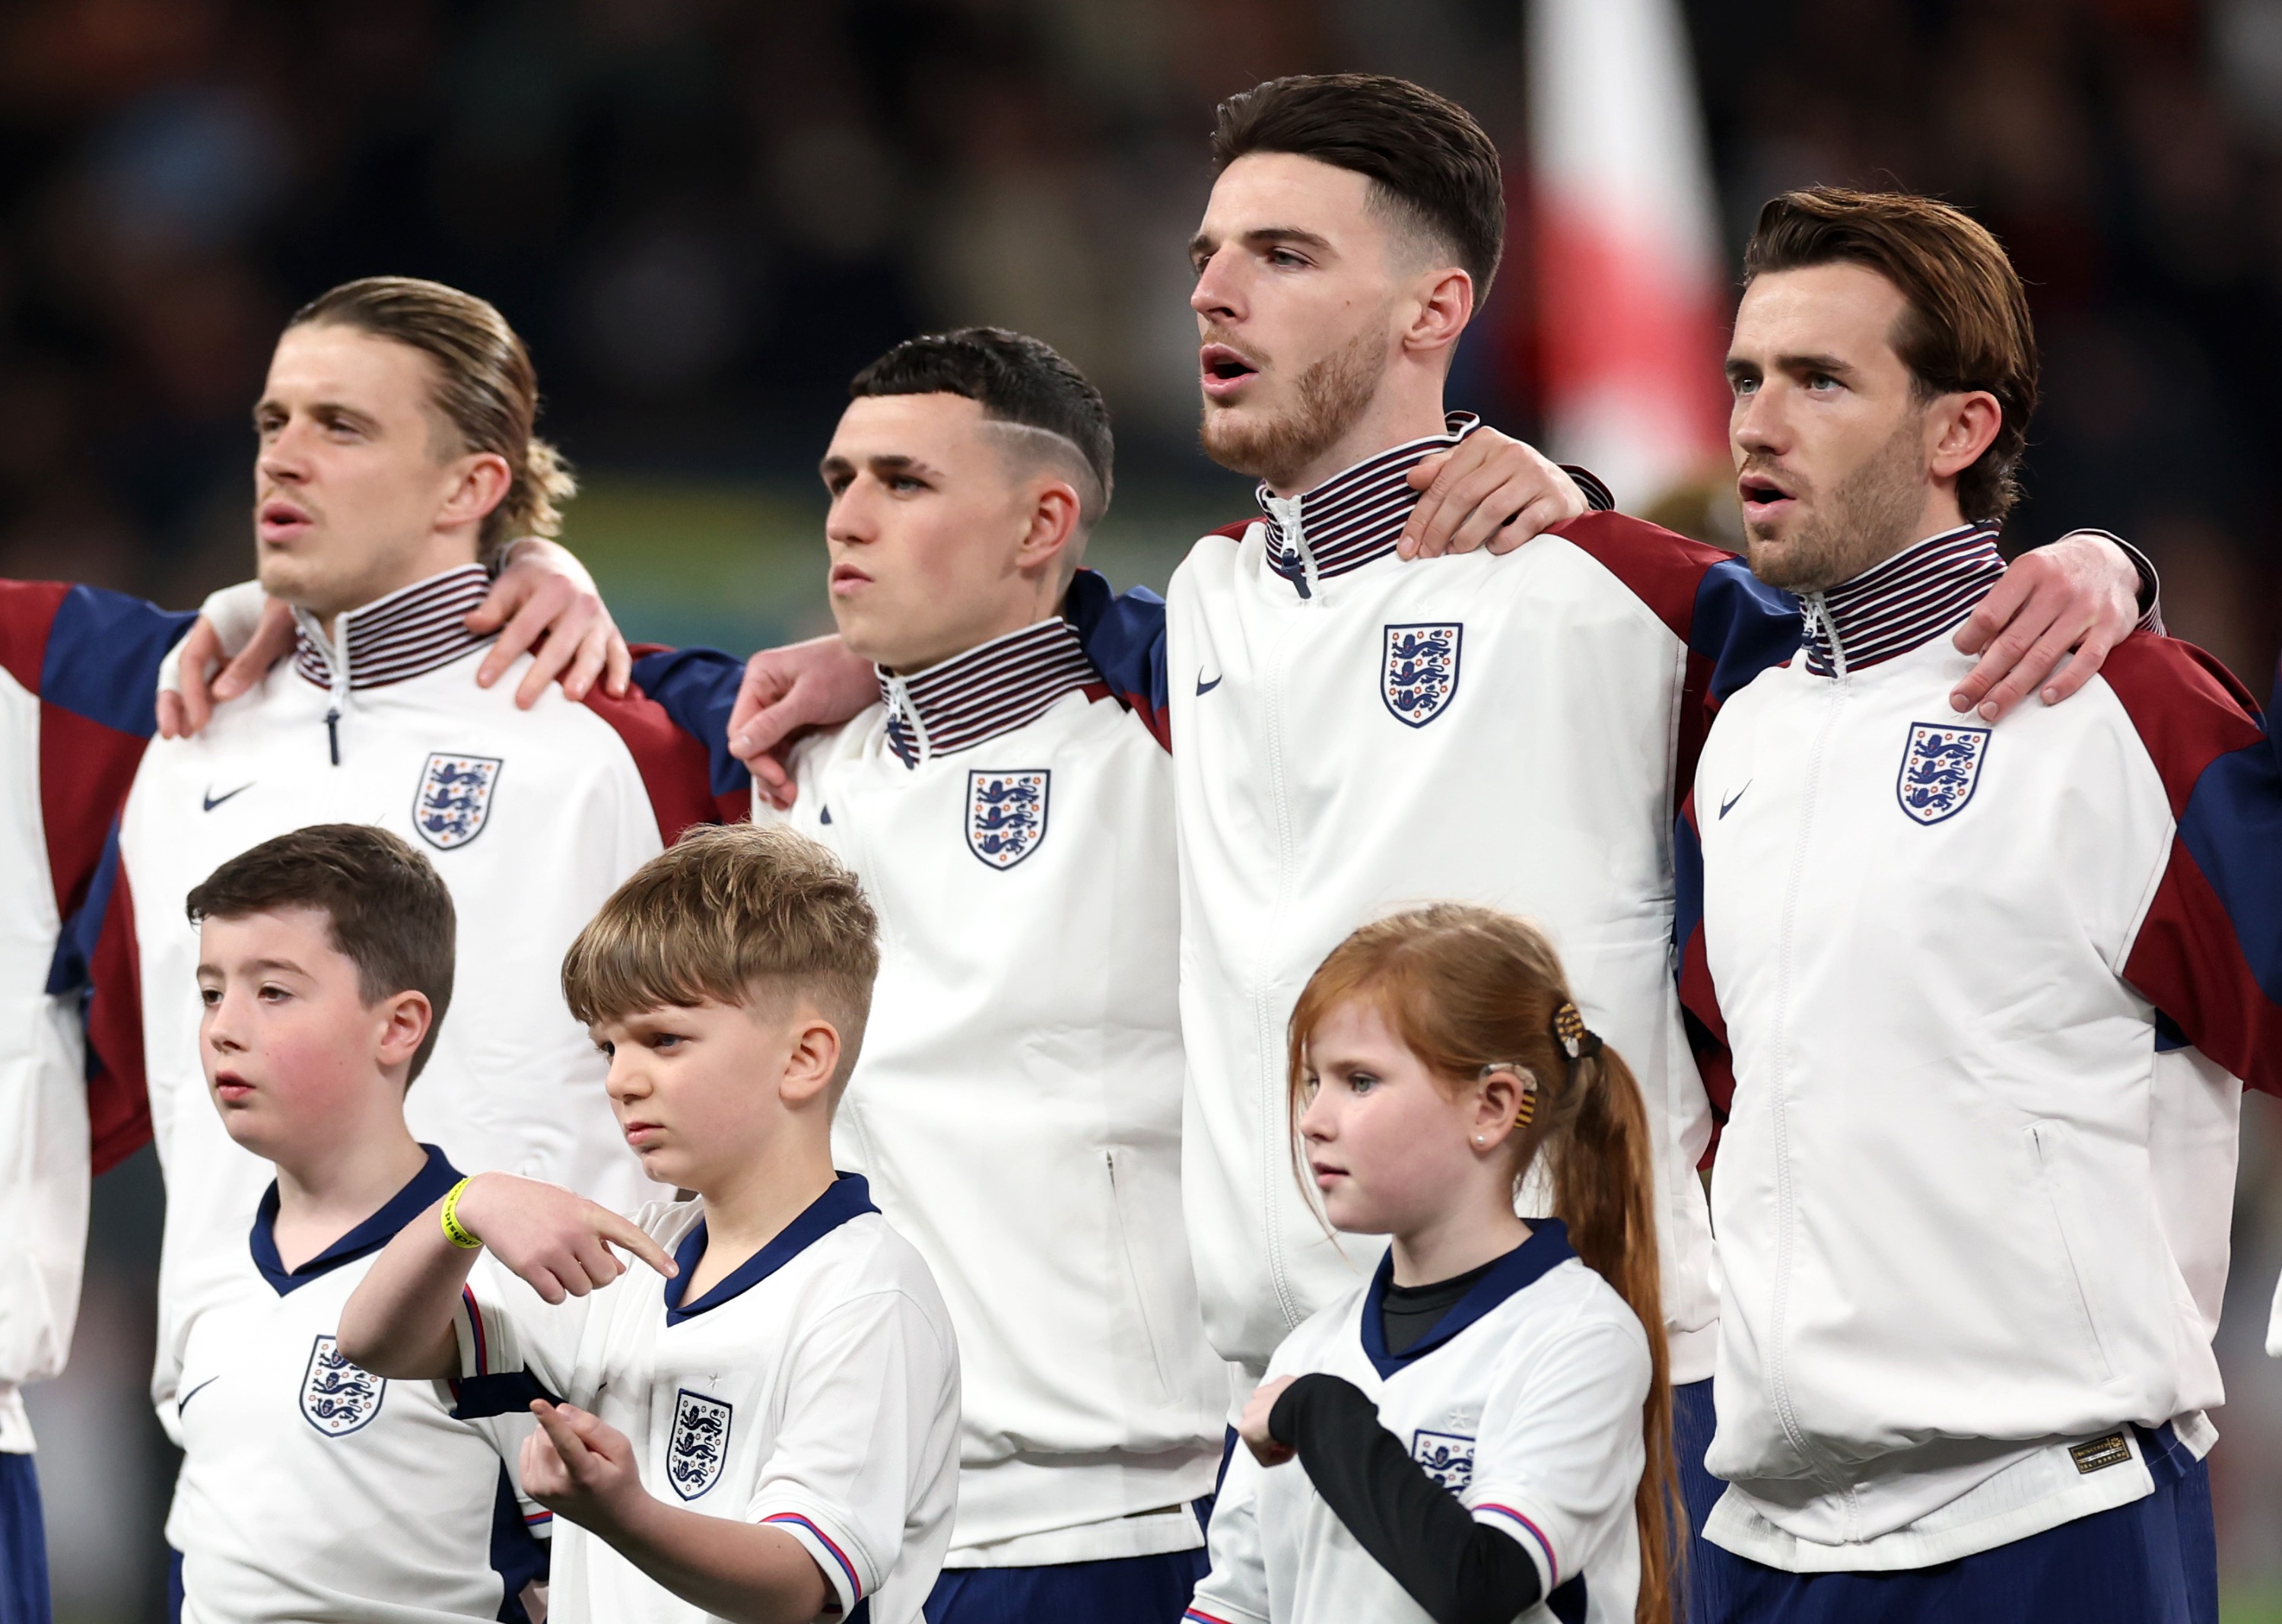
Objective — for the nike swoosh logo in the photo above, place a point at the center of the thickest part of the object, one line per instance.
(182, 1402)
(212, 800)
(1203, 687)
(1732, 799)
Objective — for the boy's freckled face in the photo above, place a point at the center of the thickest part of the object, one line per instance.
(694, 1088)
(285, 1038)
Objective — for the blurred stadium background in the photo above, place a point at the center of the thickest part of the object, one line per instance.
(704, 215)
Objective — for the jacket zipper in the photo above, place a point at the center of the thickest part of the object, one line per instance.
(1275, 1123)
(337, 670)
(1786, 1197)
(1133, 1275)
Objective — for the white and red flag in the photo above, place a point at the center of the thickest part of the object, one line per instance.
(1631, 296)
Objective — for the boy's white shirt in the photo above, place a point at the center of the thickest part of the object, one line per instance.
(1017, 1108)
(1541, 784)
(1530, 1415)
(44, 1126)
(816, 1389)
(311, 1489)
(515, 1085)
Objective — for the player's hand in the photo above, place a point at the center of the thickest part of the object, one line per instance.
(579, 1467)
(558, 1241)
(184, 711)
(545, 603)
(1488, 490)
(815, 684)
(2081, 594)
(1253, 1428)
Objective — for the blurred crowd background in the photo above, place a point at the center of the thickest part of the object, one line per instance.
(704, 215)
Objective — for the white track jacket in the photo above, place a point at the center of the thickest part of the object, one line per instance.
(1353, 734)
(76, 667)
(533, 818)
(1017, 1103)
(1960, 1235)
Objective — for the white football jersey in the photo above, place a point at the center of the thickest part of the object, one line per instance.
(312, 1490)
(815, 1389)
(1525, 1401)
(532, 816)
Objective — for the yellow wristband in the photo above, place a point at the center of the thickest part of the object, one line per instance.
(455, 1232)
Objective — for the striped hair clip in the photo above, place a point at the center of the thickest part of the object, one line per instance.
(1526, 1111)
(1577, 1041)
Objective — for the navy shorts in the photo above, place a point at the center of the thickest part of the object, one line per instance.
(2154, 1561)
(1122, 1591)
(24, 1543)
(1692, 1424)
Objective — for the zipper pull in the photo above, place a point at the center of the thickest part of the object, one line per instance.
(333, 732)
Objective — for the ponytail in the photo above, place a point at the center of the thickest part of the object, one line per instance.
(1596, 1150)
(1469, 989)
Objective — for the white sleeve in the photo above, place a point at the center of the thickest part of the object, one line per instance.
(867, 1458)
(44, 1200)
(1560, 1451)
(1236, 1591)
(514, 1345)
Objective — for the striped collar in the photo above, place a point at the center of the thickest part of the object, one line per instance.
(1354, 517)
(411, 632)
(992, 689)
(1903, 603)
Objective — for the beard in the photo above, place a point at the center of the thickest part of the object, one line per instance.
(1870, 515)
(1332, 394)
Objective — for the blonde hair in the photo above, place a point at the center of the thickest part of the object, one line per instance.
(486, 387)
(1468, 989)
(732, 915)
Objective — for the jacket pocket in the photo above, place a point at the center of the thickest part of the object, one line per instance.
(2049, 1145)
(1140, 1277)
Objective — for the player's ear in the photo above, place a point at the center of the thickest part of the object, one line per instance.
(480, 483)
(1055, 513)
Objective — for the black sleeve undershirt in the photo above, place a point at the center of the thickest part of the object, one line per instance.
(1460, 1570)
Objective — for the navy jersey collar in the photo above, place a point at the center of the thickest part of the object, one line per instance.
(427, 1185)
(1547, 1248)
(848, 1196)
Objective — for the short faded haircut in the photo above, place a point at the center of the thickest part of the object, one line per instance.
(386, 909)
(742, 914)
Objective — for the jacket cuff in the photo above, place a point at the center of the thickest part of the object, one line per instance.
(1597, 494)
(2151, 584)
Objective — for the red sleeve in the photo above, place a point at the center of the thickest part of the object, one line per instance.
(118, 1088)
(2208, 952)
(1733, 626)
(676, 769)
(1699, 1000)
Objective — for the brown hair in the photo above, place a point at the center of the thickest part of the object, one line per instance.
(1966, 327)
(386, 908)
(484, 386)
(1467, 989)
(730, 915)
(1432, 165)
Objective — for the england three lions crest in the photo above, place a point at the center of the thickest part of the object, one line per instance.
(700, 1443)
(1006, 815)
(1418, 675)
(454, 798)
(336, 1396)
(1940, 769)
(1446, 1457)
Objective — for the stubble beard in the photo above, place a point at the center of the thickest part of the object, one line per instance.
(1332, 395)
(1869, 516)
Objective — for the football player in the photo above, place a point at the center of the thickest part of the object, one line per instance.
(1974, 1193)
